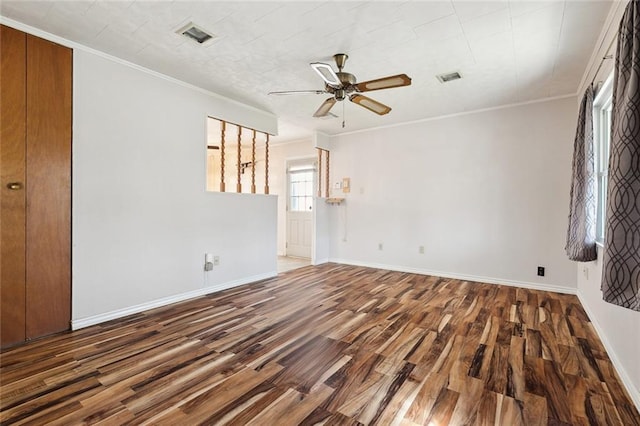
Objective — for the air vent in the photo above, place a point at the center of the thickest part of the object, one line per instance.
(196, 33)
(450, 76)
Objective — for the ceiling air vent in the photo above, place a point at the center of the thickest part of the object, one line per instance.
(196, 33)
(450, 76)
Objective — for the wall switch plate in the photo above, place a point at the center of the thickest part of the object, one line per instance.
(216, 260)
(379, 246)
(421, 249)
(346, 185)
(541, 271)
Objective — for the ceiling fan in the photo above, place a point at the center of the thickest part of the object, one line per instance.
(342, 85)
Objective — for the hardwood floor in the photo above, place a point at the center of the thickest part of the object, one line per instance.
(335, 345)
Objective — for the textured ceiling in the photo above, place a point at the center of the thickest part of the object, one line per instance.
(507, 51)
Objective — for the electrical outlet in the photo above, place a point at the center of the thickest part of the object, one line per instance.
(541, 271)
(216, 260)
(421, 249)
(208, 259)
(379, 246)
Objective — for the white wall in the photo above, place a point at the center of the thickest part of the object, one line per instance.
(142, 219)
(485, 193)
(279, 154)
(618, 328)
(321, 236)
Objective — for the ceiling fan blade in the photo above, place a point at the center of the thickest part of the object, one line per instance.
(299, 92)
(384, 83)
(370, 104)
(326, 73)
(325, 107)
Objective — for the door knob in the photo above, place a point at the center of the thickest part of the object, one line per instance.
(14, 186)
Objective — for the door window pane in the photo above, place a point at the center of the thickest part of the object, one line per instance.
(301, 190)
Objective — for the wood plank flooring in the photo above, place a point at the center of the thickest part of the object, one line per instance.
(333, 345)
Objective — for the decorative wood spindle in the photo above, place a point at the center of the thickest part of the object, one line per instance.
(239, 185)
(266, 166)
(326, 189)
(253, 164)
(222, 130)
(319, 172)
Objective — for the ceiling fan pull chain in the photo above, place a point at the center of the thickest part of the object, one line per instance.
(343, 119)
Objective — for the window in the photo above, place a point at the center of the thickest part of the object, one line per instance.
(602, 138)
(300, 189)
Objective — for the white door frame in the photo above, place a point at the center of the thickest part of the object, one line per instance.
(293, 161)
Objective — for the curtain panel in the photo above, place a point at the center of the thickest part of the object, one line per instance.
(581, 234)
(621, 261)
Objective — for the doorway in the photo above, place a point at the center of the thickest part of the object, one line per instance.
(301, 181)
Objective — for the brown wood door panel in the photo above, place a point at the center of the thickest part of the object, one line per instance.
(48, 255)
(12, 162)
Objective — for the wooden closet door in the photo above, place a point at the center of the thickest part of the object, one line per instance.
(48, 220)
(12, 162)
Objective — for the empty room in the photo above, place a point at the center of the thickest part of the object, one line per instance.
(320, 212)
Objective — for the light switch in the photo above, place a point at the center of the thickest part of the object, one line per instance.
(346, 185)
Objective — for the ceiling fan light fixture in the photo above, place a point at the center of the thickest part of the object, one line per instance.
(326, 73)
(370, 104)
(342, 84)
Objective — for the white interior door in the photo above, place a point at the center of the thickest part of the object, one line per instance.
(300, 210)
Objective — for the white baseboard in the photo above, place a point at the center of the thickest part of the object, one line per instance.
(488, 280)
(119, 313)
(633, 392)
(320, 261)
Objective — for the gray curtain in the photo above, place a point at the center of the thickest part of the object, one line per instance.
(621, 262)
(581, 234)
